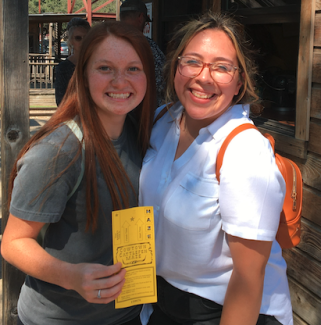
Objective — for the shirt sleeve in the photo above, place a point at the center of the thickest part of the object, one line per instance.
(252, 188)
(38, 194)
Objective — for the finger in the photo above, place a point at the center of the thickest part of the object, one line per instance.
(109, 294)
(107, 300)
(109, 282)
(107, 271)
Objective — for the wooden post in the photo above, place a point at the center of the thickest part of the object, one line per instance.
(14, 93)
(304, 72)
(89, 12)
(117, 10)
(50, 38)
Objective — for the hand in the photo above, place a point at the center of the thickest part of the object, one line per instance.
(88, 279)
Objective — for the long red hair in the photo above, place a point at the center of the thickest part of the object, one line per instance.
(78, 102)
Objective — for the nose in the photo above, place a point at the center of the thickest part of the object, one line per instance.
(119, 78)
(205, 75)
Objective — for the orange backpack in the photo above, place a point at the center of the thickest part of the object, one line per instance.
(289, 231)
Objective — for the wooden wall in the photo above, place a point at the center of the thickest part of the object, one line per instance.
(304, 261)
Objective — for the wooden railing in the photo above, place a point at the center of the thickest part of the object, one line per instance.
(41, 71)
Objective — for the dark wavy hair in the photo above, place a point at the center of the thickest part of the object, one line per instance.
(235, 31)
(78, 102)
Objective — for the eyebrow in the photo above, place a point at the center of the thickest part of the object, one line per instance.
(108, 61)
(220, 58)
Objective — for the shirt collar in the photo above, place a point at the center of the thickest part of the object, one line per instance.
(229, 120)
(222, 126)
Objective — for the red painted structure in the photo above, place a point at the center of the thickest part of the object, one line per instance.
(92, 12)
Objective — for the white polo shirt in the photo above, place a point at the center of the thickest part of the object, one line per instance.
(193, 213)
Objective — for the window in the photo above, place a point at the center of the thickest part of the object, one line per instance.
(283, 31)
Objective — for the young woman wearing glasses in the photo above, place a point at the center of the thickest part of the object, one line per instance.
(217, 258)
(77, 29)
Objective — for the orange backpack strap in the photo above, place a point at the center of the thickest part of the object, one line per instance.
(220, 155)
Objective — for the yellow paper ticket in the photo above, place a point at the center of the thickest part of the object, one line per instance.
(134, 247)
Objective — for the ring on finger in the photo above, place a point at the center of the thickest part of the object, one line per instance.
(98, 294)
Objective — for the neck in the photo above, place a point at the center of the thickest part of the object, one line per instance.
(193, 126)
(189, 126)
(113, 126)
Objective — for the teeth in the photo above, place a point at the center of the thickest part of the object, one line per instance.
(125, 95)
(201, 95)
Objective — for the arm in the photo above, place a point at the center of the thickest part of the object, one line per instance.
(20, 248)
(244, 293)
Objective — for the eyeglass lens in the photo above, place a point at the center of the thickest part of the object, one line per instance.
(191, 68)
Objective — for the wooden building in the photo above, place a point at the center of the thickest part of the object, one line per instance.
(288, 34)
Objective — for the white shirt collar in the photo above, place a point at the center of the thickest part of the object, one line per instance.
(222, 126)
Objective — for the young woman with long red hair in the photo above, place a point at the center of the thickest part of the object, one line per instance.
(71, 278)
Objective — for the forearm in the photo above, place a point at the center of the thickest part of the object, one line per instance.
(243, 299)
(20, 248)
(29, 257)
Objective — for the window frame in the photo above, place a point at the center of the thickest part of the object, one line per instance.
(294, 140)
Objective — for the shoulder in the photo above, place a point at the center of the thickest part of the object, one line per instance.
(61, 141)
(65, 65)
(165, 117)
(247, 152)
(249, 148)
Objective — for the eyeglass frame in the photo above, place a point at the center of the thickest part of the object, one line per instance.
(205, 64)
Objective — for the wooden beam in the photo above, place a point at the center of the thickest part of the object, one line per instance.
(311, 172)
(304, 269)
(315, 102)
(315, 136)
(311, 207)
(14, 90)
(89, 12)
(298, 321)
(304, 73)
(104, 5)
(216, 6)
(316, 64)
(317, 29)
(117, 10)
(310, 239)
(286, 144)
(305, 304)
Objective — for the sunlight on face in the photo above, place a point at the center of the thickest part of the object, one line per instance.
(202, 97)
(116, 78)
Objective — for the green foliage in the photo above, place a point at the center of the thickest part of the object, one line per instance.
(60, 6)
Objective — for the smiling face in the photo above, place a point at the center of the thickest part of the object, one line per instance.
(116, 79)
(202, 97)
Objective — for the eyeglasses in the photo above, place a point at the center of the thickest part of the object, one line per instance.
(221, 72)
(78, 38)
